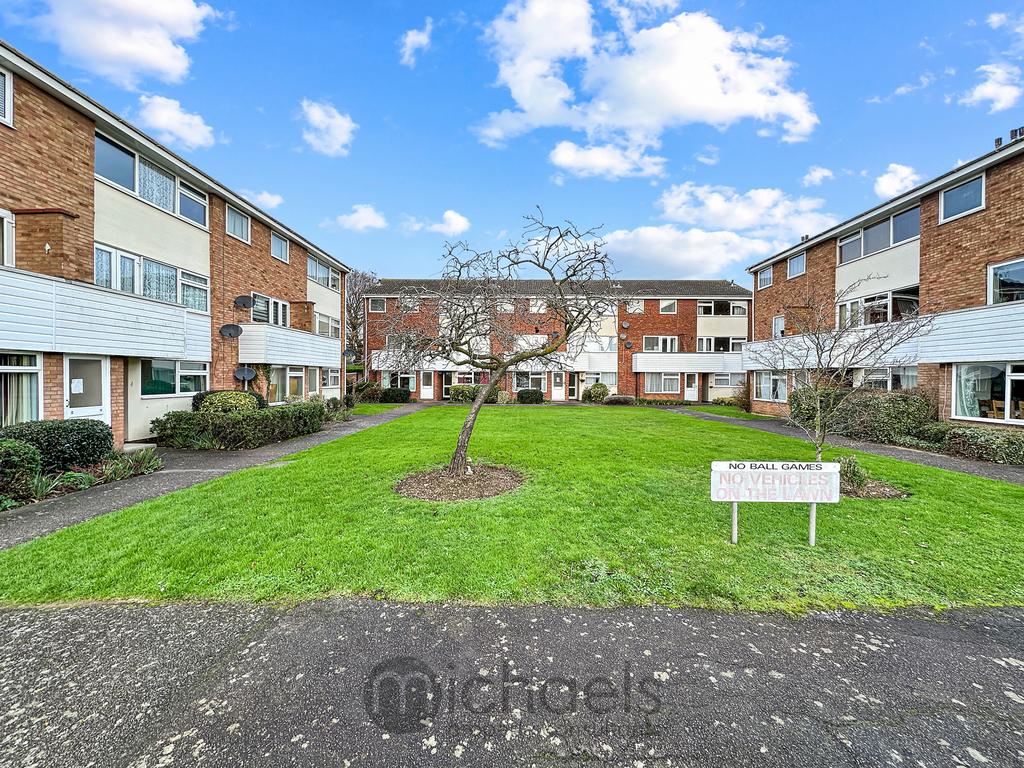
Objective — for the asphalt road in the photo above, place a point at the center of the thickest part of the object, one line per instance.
(319, 685)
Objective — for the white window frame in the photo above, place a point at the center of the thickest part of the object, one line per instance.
(790, 274)
(772, 377)
(505, 307)
(371, 300)
(662, 303)
(991, 278)
(281, 238)
(740, 305)
(942, 198)
(330, 378)
(716, 381)
(703, 305)
(859, 235)
(181, 276)
(778, 333)
(531, 376)
(7, 239)
(538, 306)
(634, 306)
(672, 342)
(329, 277)
(333, 325)
(37, 369)
(248, 228)
(660, 388)
(737, 341)
(761, 282)
(705, 343)
(283, 311)
(178, 373)
(1010, 377)
(192, 280)
(8, 116)
(409, 303)
(196, 195)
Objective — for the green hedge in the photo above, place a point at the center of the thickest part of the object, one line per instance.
(1002, 446)
(239, 429)
(395, 395)
(881, 417)
(619, 400)
(228, 402)
(529, 397)
(467, 393)
(199, 397)
(19, 463)
(65, 444)
(595, 393)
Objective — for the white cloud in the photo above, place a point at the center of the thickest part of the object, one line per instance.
(709, 155)
(172, 124)
(607, 160)
(1000, 87)
(452, 224)
(815, 175)
(415, 40)
(363, 217)
(896, 180)
(690, 253)
(996, 20)
(630, 90)
(761, 213)
(327, 130)
(126, 40)
(266, 200)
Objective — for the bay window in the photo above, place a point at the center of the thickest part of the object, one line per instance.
(771, 386)
(991, 392)
(170, 377)
(661, 383)
(1006, 282)
(20, 376)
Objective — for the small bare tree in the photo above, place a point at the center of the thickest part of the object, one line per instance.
(357, 285)
(533, 302)
(827, 340)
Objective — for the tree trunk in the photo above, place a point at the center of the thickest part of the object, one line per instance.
(458, 466)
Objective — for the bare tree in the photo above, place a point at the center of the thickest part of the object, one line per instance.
(485, 317)
(357, 284)
(829, 338)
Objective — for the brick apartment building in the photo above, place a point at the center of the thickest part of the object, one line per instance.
(669, 340)
(130, 280)
(952, 248)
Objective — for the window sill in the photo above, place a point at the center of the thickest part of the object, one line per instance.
(172, 396)
(239, 239)
(990, 422)
(962, 215)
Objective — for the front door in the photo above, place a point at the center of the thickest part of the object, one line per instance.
(87, 388)
(558, 385)
(446, 385)
(573, 391)
(691, 393)
(426, 385)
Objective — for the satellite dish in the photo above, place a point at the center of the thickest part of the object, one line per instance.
(628, 345)
(625, 323)
(231, 331)
(622, 336)
(244, 302)
(245, 373)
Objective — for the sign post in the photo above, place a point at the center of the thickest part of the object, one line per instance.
(785, 482)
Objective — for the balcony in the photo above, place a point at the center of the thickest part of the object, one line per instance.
(274, 345)
(39, 313)
(687, 362)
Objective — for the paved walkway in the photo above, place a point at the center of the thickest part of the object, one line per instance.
(1008, 473)
(182, 469)
(317, 685)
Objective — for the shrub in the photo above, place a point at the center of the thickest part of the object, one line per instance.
(69, 482)
(503, 397)
(851, 473)
(619, 400)
(200, 397)
(6, 502)
(239, 429)
(1001, 446)
(227, 401)
(742, 397)
(19, 463)
(934, 432)
(463, 393)
(883, 416)
(394, 395)
(595, 393)
(123, 465)
(349, 401)
(730, 401)
(529, 397)
(65, 444)
(802, 403)
(369, 394)
(42, 485)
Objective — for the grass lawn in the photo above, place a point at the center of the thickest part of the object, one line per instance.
(616, 510)
(368, 409)
(727, 410)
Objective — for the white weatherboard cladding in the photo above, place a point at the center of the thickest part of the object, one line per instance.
(688, 362)
(888, 270)
(265, 343)
(46, 314)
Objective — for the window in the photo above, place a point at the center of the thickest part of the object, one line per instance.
(796, 265)
(269, 310)
(167, 377)
(667, 306)
(778, 326)
(1006, 282)
(875, 238)
(6, 98)
(764, 278)
(156, 185)
(313, 379)
(19, 387)
(705, 308)
(661, 383)
(903, 378)
(634, 306)
(327, 326)
(529, 380)
(736, 343)
(906, 225)
(729, 379)
(506, 307)
(6, 238)
(279, 247)
(195, 291)
(323, 273)
(237, 224)
(159, 281)
(661, 343)
(609, 378)
(330, 377)
(296, 383)
(115, 163)
(876, 378)
(705, 343)
(716, 344)
(962, 199)
(990, 392)
(286, 383)
(409, 304)
(771, 386)
(538, 306)
(377, 305)
(399, 380)
(739, 308)
(192, 203)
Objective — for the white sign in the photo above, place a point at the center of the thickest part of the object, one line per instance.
(77, 386)
(799, 482)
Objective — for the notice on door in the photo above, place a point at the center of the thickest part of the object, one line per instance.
(77, 386)
(791, 482)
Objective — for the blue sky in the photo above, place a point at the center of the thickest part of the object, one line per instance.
(690, 132)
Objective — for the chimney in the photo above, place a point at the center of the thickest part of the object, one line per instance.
(999, 141)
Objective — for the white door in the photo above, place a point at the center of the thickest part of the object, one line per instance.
(691, 388)
(87, 387)
(558, 385)
(426, 385)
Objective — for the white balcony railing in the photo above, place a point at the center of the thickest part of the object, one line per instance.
(274, 345)
(687, 362)
(39, 313)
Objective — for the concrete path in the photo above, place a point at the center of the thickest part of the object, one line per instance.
(1008, 473)
(182, 469)
(319, 684)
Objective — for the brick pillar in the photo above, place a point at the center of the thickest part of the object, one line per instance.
(117, 399)
(41, 227)
(302, 315)
(53, 386)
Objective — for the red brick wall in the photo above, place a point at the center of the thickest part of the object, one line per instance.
(117, 397)
(682, 325)
(46, 162)
(817, 286)
(53, 386)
